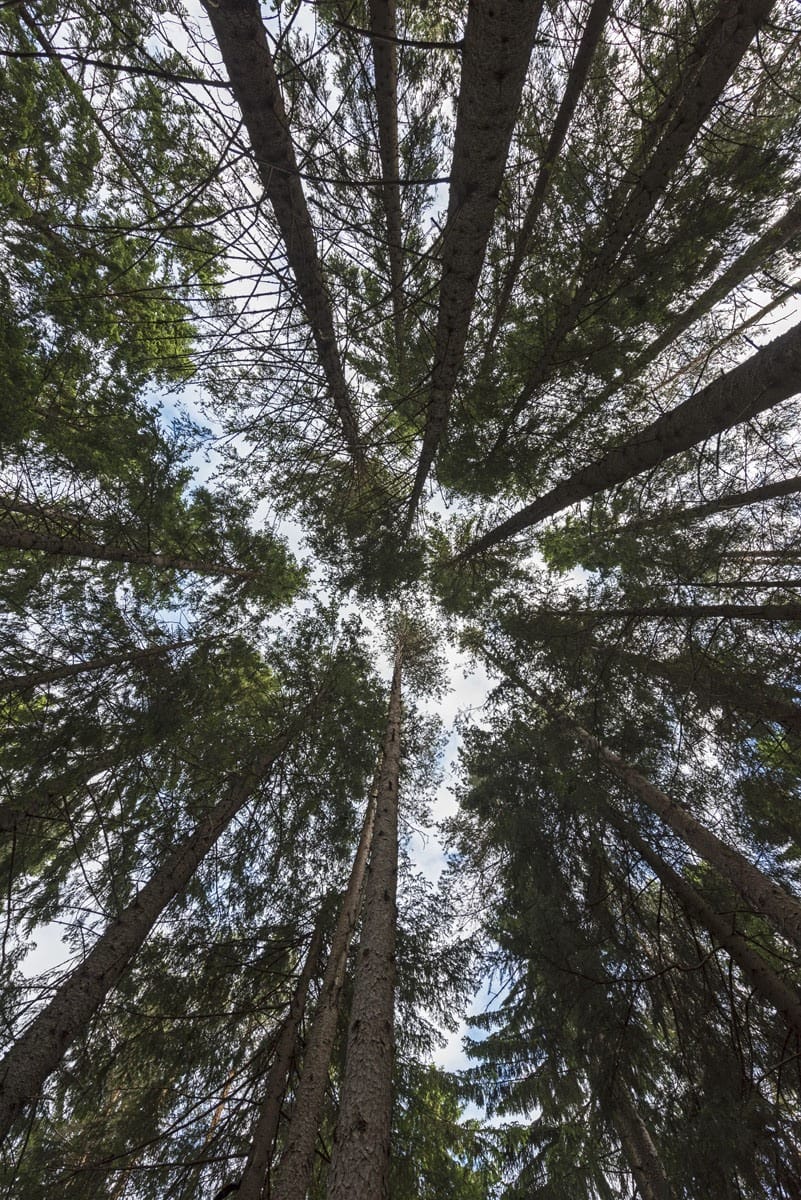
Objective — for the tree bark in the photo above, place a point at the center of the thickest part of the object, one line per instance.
(704, 74)
(21, 683)
(574, 86)
(638, 1147)
(700, 612)
(498, 40)
(759, 975)
(264, 1133)
(385, 69)
(40, 1049)
(685, 514)
(294, 1171)
(14, 538)
(242, 40)
(768, 377)
(360, 1159)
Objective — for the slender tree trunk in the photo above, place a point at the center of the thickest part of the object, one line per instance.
(699, 612)
(764, 895)
(242, 40)
(385, 69)
(574, 86)
(759, 975)
(40, 798)
(360, 1159)
(789, 554)
(21, 683)
(638, 1147)
(14, 538)
(498, 40)
(40, 1049)
(768, 377)
(261, 1148)
(294, 1173)
(684, 515)
(703, 76)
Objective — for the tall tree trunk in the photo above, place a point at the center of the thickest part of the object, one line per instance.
(638, 1147)
(765, 896)
(703, 76)
(759, 975)
(14, 538)
(242, 40)
(685, 514)
(385, 68)
(21, 683)
(360, 1159)
(294, 1171)
(40, 1049)
(698, 612)
(264, 1133)
(574, 86)
(768, 377)
(498, 40)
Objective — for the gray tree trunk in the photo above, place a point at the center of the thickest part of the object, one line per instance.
(700, 612)
(242, 40)
(360, 1158)
(264, 1133)
(14, 538)
(686, 514)
(638, 1147)
(768, 377)
(40, 1049)
(761, 977)
(21, 683)
(294, 1172)
(498, 40)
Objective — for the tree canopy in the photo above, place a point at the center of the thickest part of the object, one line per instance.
(338, 342)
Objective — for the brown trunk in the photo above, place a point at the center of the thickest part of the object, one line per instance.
(704, 74)
(385, 68)
(576, 79)
(765, 982)
(768, 377)
(242, 40)
(14, 538)
(360, 1159)
(638, 1147)
(40, 1049)
(21, 683)
(294, 1172)
(497, 47)
(261, 1148)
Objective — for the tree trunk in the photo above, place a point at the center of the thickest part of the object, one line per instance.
(700, 612)
(574, 86)
(385, 69)
(21, 683)
(761, 977)
(264, 1133)
(14, 538)
(41, 797)
(242, 40)
(360, 1158)
(768, 377)
(40, 1049)
(497, 47)
(638, 1147)
(684, 515)
(294, 1171)
(704, 74)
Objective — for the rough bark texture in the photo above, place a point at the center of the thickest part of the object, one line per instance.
(264, 1133)
(14, 538)
(40, 1049)
(360, 1159)
(242, 40)
(639, 1149)
(705, 73)
(765, 896)
(294, 1172)
(573, 88)
(768, 377)
(385, 69)
(756, 971)
(497, 47)
(21, 683)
